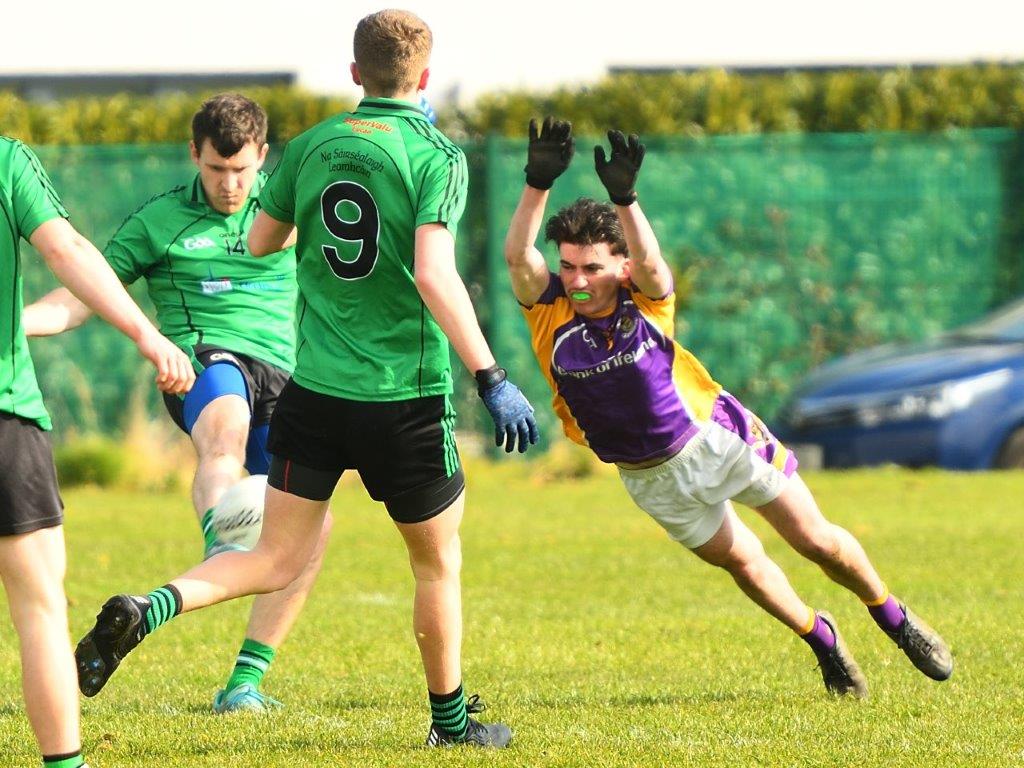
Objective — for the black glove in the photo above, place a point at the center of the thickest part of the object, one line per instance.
(619, 173)
(550, 153)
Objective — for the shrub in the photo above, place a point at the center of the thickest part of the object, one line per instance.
(91, 460)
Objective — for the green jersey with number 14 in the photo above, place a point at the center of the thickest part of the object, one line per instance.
(205, 285)
(357, 186)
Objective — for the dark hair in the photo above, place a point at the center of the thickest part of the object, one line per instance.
(229, 121)
(587, 222)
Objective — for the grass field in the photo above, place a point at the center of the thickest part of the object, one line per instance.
(597, 639)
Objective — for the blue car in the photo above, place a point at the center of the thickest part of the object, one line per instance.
(956, 401)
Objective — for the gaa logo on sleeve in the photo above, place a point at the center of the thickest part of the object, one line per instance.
(197, 243)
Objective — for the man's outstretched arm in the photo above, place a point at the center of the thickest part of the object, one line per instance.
(58, 311)
(647, 267)
(526, 266)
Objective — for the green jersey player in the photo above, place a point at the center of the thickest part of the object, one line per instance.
(234, 316)
(376, 195)
(32, 556)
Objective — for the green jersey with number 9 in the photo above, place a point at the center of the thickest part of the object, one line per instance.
(357, 186)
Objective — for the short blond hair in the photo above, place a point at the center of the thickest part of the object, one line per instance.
(391, 48)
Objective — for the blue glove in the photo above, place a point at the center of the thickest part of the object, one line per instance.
(511, 411)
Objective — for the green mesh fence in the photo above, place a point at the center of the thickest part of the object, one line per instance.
(90, 376)
(787, 250)
(791, 249)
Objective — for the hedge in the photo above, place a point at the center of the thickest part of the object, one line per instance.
(705, 102)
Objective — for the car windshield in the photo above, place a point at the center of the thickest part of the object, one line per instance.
(1006, 324)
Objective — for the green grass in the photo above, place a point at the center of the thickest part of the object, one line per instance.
(597, 639)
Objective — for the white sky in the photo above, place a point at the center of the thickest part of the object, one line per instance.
(492, 46)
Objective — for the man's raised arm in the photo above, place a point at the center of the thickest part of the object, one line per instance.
(647, 268)
(549, 154)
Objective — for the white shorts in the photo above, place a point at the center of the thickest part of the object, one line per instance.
(689, 493)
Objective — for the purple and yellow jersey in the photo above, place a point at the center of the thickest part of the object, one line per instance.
(625, 388)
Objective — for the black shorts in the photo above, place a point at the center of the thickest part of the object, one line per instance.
(29, 499)
(263, 384)
(404, 450)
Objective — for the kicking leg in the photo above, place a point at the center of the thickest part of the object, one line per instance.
(795, 515)
(292, 526)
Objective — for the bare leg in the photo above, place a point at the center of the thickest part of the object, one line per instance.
(435, 553)
(736, 549)
(292, 526)
(220, 434)
(32, 568)
(273, 615)
(796, 517)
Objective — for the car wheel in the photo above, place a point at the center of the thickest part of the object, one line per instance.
(1011, 455)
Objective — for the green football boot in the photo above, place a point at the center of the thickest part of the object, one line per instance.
(244, 698)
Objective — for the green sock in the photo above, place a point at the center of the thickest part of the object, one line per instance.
(251, 665)
(209, 537)
(448, 711)
(70, 760)
(164, 605)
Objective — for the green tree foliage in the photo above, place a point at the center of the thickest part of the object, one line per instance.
(715, 101)
(129, 119)
(705, 102)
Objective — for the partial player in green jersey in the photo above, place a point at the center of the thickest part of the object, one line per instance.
(235, 317)
(32, 556)
(375, 195)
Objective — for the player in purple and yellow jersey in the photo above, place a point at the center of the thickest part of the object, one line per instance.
(375, 196)
(602, 329)
(32, 555)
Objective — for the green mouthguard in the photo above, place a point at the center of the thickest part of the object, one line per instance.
(580, 296)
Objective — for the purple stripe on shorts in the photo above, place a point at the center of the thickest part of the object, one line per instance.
(730, 413)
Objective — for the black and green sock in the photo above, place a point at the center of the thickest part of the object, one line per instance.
(69, 760)
(209, 536)
(251, 665)
(448, 711)
(164, 605)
